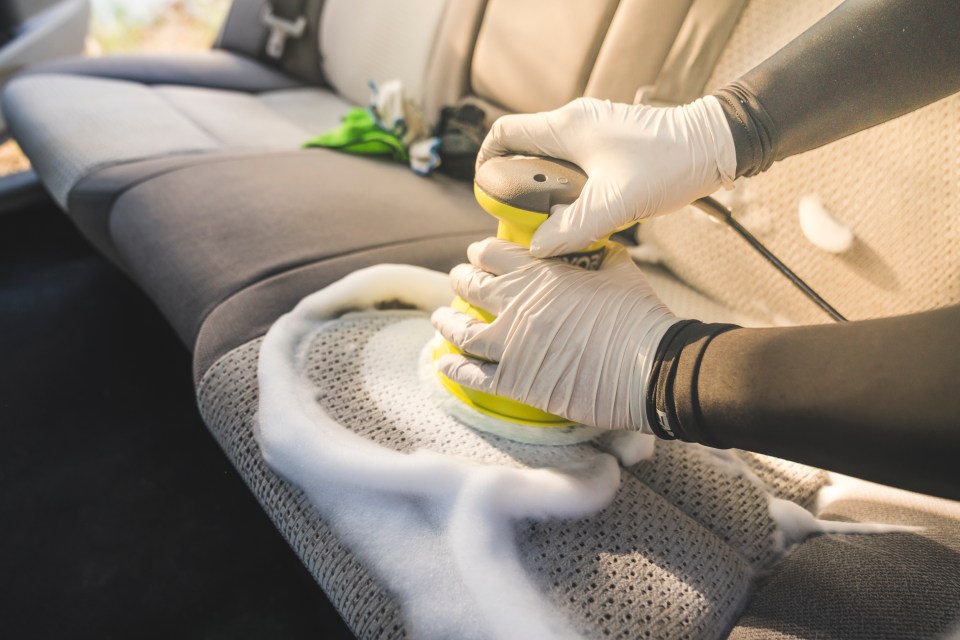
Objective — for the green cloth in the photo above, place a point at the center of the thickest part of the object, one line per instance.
(361, 134)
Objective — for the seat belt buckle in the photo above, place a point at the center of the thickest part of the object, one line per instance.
(280, 30)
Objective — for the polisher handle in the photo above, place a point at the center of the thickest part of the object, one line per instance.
(520, 191)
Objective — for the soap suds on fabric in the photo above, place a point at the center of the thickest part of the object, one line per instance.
(843, 487)
(628, 447)
(794, 523)
(462, 578)
(821, 228)
(435, 526)
(797, 524)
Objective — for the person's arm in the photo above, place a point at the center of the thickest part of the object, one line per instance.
(866, 62)
(877, 399)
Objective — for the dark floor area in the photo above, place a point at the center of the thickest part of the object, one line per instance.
(119, 515)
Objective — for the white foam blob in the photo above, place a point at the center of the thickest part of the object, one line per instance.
(843, 487)
(797, 524)
(821, 228)
(629, 447)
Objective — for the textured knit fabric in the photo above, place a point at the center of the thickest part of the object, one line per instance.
(897, 186)
(897, 586)
(673, 556)
(788, 480)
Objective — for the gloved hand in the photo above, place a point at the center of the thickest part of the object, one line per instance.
(573, 342)
(641, 161)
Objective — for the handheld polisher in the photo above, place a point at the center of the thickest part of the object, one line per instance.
(520, 191)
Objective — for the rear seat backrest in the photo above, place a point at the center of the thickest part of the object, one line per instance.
(896, 186)
(540, 54)
(536, 55)
(635, 48)
(378, 40)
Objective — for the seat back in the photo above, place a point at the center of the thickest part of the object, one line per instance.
(896, 186)
(541, 54)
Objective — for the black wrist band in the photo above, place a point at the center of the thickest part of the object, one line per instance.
(754, 132)
(672, 407)
(653, 418)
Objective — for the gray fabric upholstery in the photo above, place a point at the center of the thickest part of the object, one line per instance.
(275, 119)
(248, 313)
(313, 110)
(91, 199)
(534, 57)
(635, 46)
(122, 122)
(228, 401)
(904, 585)
(385, 41)
(125, 121)
(212, 69)
(246, 121)
(788, 480)
(193, 237)
(695, 51)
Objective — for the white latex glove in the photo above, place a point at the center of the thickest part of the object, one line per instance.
(573, 342)
(641, 161)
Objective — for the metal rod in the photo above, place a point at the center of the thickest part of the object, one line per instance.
(720, 213)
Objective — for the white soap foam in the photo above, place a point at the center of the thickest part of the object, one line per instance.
(797, 524)
(628, 447)
(437, 529)
(843, 487)
(794, 523)
(821, 228)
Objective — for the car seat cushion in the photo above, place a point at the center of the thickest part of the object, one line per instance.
(195, 236)
(121, 122)
(215, 69)
(129, 115)
(623, 570)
